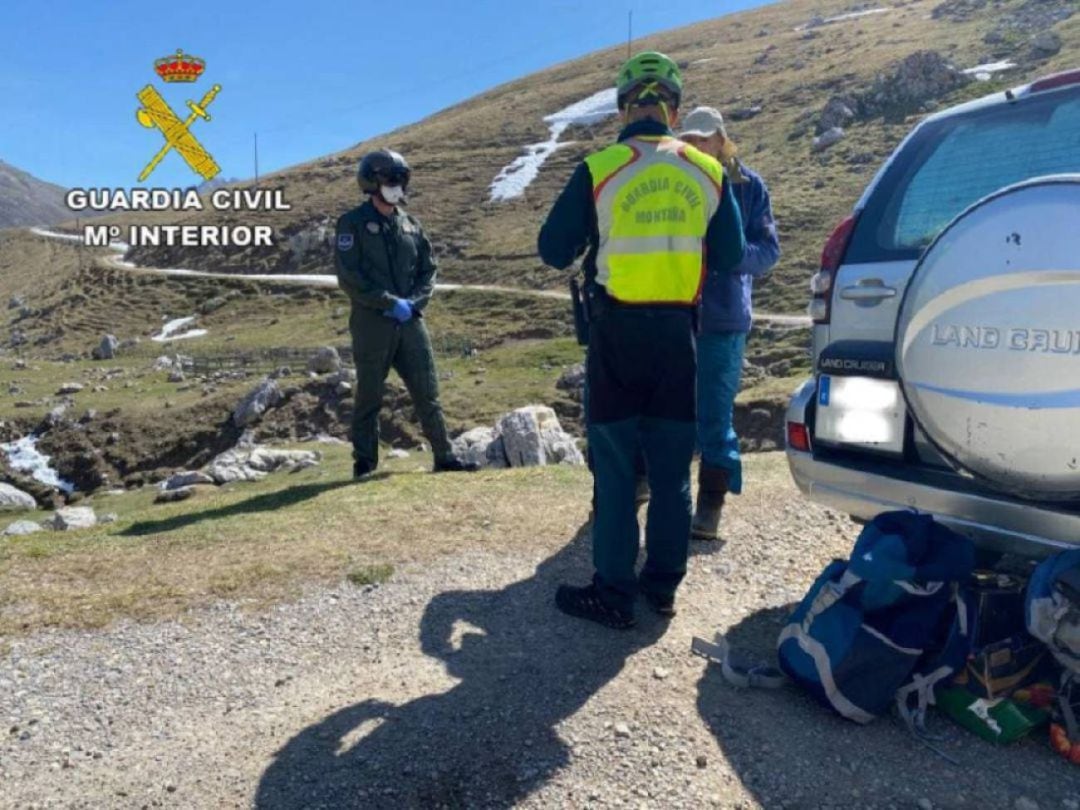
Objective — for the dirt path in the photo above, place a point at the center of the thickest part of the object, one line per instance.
(326, 280)
(459, 685)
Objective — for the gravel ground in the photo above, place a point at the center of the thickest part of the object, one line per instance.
(459, 685)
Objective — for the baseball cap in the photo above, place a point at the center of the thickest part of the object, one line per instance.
(703, 121)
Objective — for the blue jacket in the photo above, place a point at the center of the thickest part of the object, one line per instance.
(726, 299)
(570, 228)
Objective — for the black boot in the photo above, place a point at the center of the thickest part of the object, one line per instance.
(361, 469)
(586, 603)
(712, 488)
(453, 464)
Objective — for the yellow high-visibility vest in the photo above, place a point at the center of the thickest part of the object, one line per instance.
(655, 196)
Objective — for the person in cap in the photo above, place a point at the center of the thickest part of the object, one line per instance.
(644, 212)
(726, 321)
(385, 264)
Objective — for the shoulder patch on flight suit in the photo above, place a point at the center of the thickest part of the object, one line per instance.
(344, 241)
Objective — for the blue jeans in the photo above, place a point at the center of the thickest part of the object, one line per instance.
(720, 361)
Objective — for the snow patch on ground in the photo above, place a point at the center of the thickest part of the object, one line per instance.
(985, 72)
(169, 331)
(854, 15)
(512, 181)
(24, 457)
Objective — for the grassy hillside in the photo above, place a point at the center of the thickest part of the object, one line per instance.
(766, 58)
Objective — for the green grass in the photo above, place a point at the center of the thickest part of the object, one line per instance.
(370, 574)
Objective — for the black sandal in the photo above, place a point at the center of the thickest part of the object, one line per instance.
(586, 603)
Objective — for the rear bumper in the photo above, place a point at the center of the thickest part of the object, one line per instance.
(866, 488)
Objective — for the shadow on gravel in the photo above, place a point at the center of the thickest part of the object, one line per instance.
(790, 752)
(489, 741)
(266, 502)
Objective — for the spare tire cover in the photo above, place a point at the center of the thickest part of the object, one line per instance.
(988, 340)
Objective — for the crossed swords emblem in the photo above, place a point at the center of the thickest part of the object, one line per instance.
(156, 112)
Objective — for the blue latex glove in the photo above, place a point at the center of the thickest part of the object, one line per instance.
(401, 311)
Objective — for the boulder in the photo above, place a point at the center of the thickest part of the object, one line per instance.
(828, 139)
(211, 305)
(187, 478)
(480, 446)
(22, 527)
(13, 499)
(247, 463)
(343, 389)
(16, 302)
(532, 436)
(1045, 43)
(397, 453)
(922, 77)
(325, 361)
(260, 399)
(573, 379)
(106, 350)
(176, 376)
(745, 113)
(163, 363)
(836, 114)
(72, 517)
(174, 495)
(69, 388)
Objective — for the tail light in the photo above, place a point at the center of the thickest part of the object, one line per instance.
(798, 437)
(831, 256)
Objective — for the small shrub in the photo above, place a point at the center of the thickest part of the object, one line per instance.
(370, 574)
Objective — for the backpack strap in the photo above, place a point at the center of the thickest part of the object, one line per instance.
(922, 686)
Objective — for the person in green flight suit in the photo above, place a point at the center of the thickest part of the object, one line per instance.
(385, 264)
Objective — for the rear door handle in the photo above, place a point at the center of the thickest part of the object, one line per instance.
(867, 292)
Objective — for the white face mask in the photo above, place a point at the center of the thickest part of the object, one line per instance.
(392, 194)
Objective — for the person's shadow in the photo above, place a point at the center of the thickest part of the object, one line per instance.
(490, 740)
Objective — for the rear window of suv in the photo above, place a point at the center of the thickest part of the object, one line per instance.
(952, 163)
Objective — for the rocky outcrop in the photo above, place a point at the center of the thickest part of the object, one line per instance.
(260, 399)
(72, 517)
(187, 478)
(21, 528)
(837, 114)
(325, 361)
(828, 139)
(527, 437)
(254, 463)
(922, 77)
(13, 499)
(106, 350)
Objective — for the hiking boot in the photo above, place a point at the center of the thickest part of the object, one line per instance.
(712, 489)
(586, 603)
(661, 605)
(361, 469)
(455, 465)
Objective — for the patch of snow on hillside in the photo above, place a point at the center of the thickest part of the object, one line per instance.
(515, 178)
(169, 331)
(853, 15)
(986, 72)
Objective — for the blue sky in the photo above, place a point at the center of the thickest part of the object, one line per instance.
(310, 77)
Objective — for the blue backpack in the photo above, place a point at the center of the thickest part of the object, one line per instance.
(886, 626)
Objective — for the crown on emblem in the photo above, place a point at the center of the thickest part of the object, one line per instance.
(182, 67)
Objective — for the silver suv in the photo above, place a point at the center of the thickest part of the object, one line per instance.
(947, 329)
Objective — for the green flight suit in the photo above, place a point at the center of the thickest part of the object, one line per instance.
(378, 259)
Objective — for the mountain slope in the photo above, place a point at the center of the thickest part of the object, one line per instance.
(775, 68)
(25, 200)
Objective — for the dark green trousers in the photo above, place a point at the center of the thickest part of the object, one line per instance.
(380, 344)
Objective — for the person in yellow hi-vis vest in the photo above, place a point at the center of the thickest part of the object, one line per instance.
(646, 212)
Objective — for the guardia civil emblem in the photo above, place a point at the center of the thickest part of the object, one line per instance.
(155, 113)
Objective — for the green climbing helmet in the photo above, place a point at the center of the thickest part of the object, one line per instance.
(649, 68)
